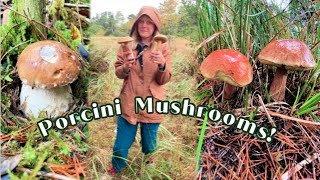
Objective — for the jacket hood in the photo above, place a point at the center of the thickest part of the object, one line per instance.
(154, 15)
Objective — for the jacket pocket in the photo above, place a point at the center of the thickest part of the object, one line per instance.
(157, 91)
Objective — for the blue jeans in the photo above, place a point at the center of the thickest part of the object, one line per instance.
(126, 134)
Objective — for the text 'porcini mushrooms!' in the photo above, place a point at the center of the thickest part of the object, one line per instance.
(230, 66)
(287, 54)
(46, 68)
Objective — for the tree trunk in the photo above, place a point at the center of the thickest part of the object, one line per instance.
(33, 9)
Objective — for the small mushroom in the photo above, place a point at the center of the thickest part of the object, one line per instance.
(125, 45)
(46, 68)
(287, 54)
(158, 40)
(230, 66)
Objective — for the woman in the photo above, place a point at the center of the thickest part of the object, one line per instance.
(142, 77)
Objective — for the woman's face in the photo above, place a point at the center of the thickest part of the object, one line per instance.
(145, 27)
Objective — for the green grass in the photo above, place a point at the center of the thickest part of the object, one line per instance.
(248, 26)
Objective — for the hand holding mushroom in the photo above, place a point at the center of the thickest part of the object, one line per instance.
(156, 52)
(158, 58)
(127, 51)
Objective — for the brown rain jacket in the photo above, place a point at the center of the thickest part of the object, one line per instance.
(144, 81)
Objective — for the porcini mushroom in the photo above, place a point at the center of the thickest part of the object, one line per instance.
(158, 40)
(125, 45)
(46, 68)
(230, 66)
(287, 54)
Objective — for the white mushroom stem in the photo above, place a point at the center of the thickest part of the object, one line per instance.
(278, 85)
(38, 102)
(228, 91)
(127, 50)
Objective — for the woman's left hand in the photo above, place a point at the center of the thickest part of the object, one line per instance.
(158, 58)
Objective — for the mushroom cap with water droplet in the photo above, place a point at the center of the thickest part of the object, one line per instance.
(227, 65)
(290, 53)
(48, 64)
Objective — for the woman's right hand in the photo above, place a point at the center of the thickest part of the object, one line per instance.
(128, 62)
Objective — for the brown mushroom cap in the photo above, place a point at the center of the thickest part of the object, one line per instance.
(125, 40)
(227, 65)
(290, 53)
(160, 38)
(47, 64)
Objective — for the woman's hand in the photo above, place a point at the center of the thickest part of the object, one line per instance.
(158, 58)
(128, 62)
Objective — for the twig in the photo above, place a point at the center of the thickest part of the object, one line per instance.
(32, 20)
(80, 132)
(4, 37)
(76, 5)
(266, 111)
(208, 40)
(79, 21)
(299, 166)
(21, 130)
(42, 173)
(292, 118)
(223, 166)
(13, 49)
(81, 17)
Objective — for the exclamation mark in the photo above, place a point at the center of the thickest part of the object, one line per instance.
(273, 132)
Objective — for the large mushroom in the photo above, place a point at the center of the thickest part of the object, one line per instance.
(287, 54)
(230, 66)
(46, 68)
(125, 45)
(158, 40)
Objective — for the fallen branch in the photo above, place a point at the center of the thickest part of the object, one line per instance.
(83, 18)
(292, 118)
(299, 166)
(266, 111)
(4, 137)
(206, 41)
(42, 173)
(77, 5)
(39, 23)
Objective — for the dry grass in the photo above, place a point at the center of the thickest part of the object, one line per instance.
(177, 139)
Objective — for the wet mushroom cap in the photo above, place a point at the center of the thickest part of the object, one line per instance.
(290, 53)
(125, 40)
(48, 64)
(227, 65)
(161, 38)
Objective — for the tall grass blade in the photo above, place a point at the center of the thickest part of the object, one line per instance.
(201, 137)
